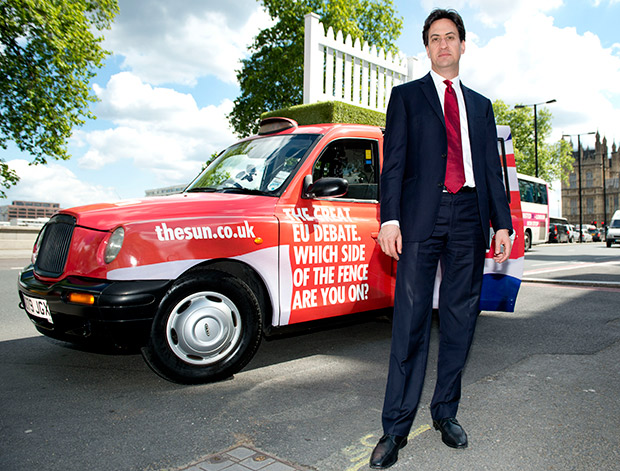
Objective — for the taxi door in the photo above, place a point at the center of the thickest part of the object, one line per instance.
(330, 262)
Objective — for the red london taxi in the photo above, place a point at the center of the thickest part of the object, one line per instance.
(279, 229)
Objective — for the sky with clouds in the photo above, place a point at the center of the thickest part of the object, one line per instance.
(166, 90)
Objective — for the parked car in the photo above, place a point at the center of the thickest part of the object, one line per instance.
(558, 233)
(595, 232)
(573, 233)
(585, 235)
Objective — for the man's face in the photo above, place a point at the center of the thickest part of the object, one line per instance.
(444, 48)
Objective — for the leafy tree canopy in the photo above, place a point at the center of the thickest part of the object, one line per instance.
(555, 161)
(49, 52)
(272, 77)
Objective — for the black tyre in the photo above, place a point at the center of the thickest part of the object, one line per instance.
(609, 243)
(527, 241)
(208, 326)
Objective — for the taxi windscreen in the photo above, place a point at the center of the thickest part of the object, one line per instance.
(260, 166)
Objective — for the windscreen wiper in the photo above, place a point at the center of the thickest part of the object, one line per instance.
(201, 189)
(243, 191)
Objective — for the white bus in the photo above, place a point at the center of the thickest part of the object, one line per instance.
(535, 207)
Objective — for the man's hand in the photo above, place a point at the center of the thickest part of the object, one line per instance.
(390, 240)
(502, 239)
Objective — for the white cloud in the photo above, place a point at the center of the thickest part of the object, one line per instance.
(127, 99)
(535, 61)
(532, 61)
(55, 183)
(178, 42)
(156, 129)
(493, 12)
(157, 133)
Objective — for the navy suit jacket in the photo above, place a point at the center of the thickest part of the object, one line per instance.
(414, 160)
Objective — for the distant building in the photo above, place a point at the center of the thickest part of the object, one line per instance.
(28, 210)
(168, 190)
(597, 204)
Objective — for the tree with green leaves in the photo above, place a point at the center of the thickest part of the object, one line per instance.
(49, 52)
(272, 77)
(554, 160)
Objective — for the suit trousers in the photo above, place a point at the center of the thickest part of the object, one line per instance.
(458, 243)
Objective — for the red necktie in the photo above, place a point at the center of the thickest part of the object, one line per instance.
(455, 174)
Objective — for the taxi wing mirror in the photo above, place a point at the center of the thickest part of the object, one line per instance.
(324, 187)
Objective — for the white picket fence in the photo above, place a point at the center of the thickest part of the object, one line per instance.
(336, 69)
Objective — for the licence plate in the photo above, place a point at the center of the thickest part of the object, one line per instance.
(38, 308)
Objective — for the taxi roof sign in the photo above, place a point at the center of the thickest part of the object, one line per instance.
(275, 124)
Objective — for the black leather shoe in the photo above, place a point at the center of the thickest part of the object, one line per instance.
(385, 453)
(452, 434)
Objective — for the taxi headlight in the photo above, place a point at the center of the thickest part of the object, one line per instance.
(114, 245)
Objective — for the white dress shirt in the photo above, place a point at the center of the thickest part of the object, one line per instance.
(441, 91)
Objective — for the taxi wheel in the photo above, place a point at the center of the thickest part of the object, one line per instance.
(207, 328)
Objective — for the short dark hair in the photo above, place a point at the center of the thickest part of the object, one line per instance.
(439, 14)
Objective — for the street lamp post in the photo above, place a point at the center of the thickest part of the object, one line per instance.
(536, 128)
(579, 157)
(605, 159)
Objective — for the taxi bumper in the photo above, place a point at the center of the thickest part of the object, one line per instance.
(121, 311)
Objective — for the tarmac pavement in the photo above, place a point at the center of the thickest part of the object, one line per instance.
(547, 411)
(541, 392)
(557, 263)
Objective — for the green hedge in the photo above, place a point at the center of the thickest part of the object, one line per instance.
(329, 112)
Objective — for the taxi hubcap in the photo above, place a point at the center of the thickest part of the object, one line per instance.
(204, 328)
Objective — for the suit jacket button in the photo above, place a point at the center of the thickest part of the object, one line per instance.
(444, 156)
(440, 185)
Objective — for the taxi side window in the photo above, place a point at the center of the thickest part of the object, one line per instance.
(355, 160)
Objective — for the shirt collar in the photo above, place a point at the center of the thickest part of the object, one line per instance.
(438, 79)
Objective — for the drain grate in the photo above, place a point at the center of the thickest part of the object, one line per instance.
(243, 458)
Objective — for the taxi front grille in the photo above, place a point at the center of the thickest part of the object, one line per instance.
(53, 246)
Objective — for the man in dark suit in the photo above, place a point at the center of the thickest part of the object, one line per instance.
(441, 185)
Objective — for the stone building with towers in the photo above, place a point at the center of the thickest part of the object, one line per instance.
(600, 184)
